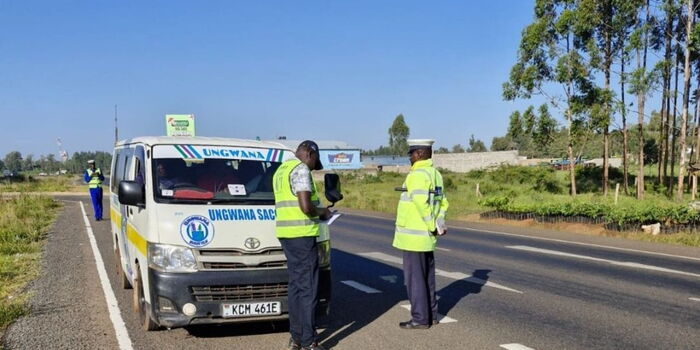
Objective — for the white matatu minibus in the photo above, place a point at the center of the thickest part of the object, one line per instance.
(193, 223)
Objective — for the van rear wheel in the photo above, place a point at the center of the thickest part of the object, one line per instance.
(121, 276)
(140, 305)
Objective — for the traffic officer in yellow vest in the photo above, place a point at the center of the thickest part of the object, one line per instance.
(93, 176)
(420, 218)
(298, 213)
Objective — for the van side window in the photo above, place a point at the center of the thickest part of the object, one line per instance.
(121, 165)
(139, 168)
(125, 169)
(114, 181)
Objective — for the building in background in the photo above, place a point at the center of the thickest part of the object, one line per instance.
(335, 155)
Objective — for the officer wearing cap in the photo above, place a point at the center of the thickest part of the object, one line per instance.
(298, 213)
(420, 218)
(93, 176)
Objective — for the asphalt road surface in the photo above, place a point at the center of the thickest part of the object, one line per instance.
(499, 288)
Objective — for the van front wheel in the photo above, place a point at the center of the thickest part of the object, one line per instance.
(121, 275)
(140, 305)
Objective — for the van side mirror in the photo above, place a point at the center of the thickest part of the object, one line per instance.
(131, 193)
(332, 186)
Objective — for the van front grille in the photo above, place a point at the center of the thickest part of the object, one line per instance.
(240, 292)
(239, 252)
(240, 266)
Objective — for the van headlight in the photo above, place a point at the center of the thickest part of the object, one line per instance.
(324, 253)
(171, 258)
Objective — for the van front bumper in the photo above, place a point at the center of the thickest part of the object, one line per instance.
(209, 290)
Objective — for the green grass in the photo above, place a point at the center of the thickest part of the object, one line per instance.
(24, 221)
(538, 190)
(63, 183)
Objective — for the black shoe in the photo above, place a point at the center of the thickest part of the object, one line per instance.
(413, 325)
(313, 346)
(293, 345)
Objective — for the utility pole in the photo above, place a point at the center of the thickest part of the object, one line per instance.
(116, 129)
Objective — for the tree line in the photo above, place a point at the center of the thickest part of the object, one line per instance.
(598, 63)
(77, 163)
(398, 142)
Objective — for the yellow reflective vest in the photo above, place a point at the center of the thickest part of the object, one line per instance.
(94, 182)
(420, 206)
(291, 222)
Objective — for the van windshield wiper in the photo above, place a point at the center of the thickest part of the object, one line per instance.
(186, 201)
(241, 200)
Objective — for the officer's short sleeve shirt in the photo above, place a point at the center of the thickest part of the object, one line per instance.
(300, 179)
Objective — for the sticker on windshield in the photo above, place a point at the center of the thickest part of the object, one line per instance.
(236, 190)
(197, 231)
(167, 193)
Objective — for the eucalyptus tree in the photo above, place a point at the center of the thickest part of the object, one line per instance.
(695, 45)
(552, 54)
(690, 8)
(673, 128)
(515, 126)
(641, 80)
(398, 136)
(595, 27)
(623, 24)
(665, 65)
(545, 129)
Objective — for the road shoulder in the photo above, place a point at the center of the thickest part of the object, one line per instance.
(68, 309)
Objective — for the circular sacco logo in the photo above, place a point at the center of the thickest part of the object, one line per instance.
(197, 231)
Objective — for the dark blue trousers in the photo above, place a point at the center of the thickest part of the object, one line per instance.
(419, 277)
(96, 195)
(302, 264)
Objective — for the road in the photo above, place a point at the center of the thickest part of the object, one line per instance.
(497, 290)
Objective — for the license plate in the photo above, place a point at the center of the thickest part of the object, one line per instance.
(252, 309)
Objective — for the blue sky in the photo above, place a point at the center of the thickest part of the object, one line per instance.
(326, 70)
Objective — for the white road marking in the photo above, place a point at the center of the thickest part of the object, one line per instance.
(390, 279)
(581, 243)
(443, 249)
(112, 305)
(383, 257)
(442, 318)
(361, 287)
(613, 262)
(515, 346)
(339, 331)
(694, 299)
(452, 275)
(549, 239)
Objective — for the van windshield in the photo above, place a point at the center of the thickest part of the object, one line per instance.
(205, 181)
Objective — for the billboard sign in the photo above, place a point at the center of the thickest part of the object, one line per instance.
(340, 159)
(179, 124)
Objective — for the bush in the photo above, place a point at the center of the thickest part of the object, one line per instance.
(540, 179)
(449, 184)
(636, 213)
(498, 203)
(590, 179)
(476, 174)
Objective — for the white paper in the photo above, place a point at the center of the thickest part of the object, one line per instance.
(333, 218)
(440, 230)
(167, 193)
(236, 190)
